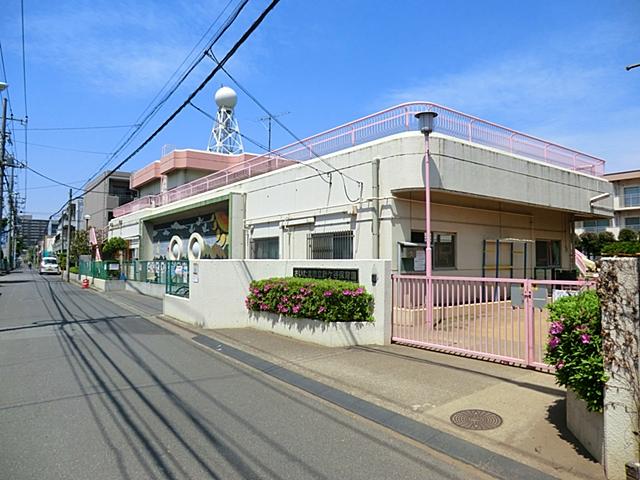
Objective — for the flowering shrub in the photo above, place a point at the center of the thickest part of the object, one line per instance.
(575, 346)
(326, 300)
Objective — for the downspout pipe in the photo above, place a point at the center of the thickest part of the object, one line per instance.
(375, 193)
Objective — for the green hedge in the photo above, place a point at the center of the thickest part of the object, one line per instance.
(575, 346)
(326, 300)
(621, 248)
(74, 269)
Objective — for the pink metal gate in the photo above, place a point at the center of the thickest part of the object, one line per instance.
(500, 319)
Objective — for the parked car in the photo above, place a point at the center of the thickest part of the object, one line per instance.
(49, 265)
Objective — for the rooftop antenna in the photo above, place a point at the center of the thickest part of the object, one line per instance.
(225, 135)
(269, 119)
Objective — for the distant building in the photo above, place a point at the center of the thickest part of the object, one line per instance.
(62, 224)
(626, 206)
(32, 229)
(107, 194)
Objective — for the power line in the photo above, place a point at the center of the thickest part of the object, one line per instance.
(203, 84)
(143, 121)
(24, 91)
(279, 122)
(54, 147)
(99, 127)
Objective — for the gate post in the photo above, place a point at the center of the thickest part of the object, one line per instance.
(527, 294)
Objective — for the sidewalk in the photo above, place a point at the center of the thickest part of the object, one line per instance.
(427, 387)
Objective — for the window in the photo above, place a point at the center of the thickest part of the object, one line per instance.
(335, 245)
(632, 197)
(595, 226)
(548, 253)
(443, 248)
(262, 248)
(632, 222)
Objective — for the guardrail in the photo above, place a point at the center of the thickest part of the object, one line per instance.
(379, 125)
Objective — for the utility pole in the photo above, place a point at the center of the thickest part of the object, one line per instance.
(68, 235)
(12, 221)
(2, 135)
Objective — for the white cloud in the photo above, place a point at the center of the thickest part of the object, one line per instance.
(573, 92)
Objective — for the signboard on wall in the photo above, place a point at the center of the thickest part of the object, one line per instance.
(345, 274)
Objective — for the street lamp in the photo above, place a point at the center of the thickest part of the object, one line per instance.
(425, 121)
(86, 221)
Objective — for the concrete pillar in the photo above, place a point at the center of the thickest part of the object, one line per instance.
(619, 291)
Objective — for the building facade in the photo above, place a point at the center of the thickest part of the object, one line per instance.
(32, 229)
(107, 194)
(626, 206)
(503, 203)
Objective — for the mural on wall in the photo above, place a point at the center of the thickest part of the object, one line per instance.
(213, 227)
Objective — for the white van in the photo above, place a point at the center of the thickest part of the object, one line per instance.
(49, 265)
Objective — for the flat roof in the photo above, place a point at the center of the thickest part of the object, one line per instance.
(626, 175)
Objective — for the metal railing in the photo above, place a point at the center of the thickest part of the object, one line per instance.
(493, 318)
(147, 271)
(107, 270)
(379, 125)
(177, 278)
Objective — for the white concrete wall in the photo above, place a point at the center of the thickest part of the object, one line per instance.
(294, 201)
(216, 300)
(150, 289)
(588, 427)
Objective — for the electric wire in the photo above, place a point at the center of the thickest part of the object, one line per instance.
(301, 142)
(98, 127)
(24, 91)
(144, 121)
(65, 149)
(256, 23)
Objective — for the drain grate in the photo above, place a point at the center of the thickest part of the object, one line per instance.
(476, 419)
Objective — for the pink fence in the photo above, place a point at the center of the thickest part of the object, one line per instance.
(500, 319)
(381, 124)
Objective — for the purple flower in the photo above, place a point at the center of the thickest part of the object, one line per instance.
(296, 308)
(328, 293)
(264, 306)
(267, 287)
(556, 328)
(554, 342)
(321, 309)
(559, 365)
(285, 299)
(359, 291)
(585, 338)
(255, 290)
(346, 293)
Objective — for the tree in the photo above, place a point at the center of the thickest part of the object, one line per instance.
(605, 238)
(79, 246)
(627, 235)
(589, 243)
(111, 247)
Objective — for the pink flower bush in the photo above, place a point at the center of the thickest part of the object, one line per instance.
(556, 328)
(585, 338)
(554, 342)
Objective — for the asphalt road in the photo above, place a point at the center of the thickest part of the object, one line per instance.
(89, 390)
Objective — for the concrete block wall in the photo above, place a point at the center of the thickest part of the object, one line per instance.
(218, 290)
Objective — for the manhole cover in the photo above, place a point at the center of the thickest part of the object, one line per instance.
(476, 419)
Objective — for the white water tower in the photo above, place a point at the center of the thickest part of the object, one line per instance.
(225, 135)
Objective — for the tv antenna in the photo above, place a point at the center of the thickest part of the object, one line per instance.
(269, 119)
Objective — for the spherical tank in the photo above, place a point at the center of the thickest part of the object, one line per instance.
(226, 97)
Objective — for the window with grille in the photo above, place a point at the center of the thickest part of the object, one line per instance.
(330, 246)
(633, 223)
(262, 248)
(632, 196)
(595, 226)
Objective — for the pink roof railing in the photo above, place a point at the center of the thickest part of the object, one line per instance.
(372, 127)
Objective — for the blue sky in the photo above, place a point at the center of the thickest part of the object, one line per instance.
(552, 69)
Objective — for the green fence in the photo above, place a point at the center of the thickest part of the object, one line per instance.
(148, 271)
(103, 270)
(177, 278)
